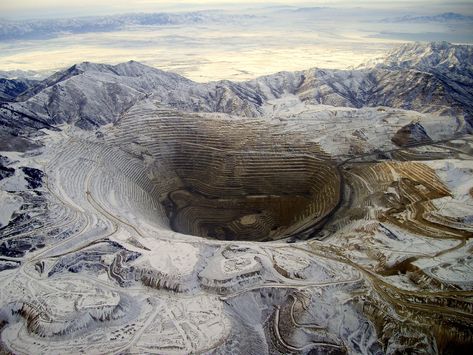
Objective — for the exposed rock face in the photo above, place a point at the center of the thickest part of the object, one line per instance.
(411, 135)
(141, 216)
(223, 179)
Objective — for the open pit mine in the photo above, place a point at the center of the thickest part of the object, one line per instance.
(313, 212)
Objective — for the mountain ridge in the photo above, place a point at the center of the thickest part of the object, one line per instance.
(432, 77)
(49, 28)
(439, 18)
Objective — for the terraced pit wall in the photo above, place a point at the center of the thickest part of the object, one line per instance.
(229, 180)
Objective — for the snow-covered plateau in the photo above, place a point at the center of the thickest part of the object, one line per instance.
(313, 212)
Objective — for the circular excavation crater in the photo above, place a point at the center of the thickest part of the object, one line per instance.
(250, 196)
(241, 180)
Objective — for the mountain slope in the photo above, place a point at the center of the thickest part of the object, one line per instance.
(10, 89)
(434, 77)
(429, 57)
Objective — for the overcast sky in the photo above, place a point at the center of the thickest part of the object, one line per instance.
(21, 9)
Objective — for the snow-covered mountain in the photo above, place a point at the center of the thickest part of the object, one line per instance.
(91, 95)
(49, 28)
(446, 17)
(23, 74)
(12, 88)
(294, 227)
(433, 77)
(429, 57)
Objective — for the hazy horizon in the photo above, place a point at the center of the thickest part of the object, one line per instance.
(30, 9)
(234, 40)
